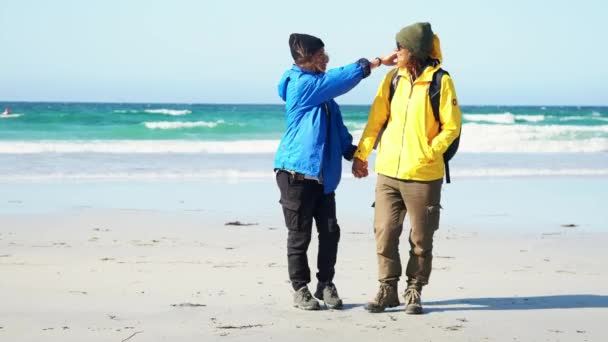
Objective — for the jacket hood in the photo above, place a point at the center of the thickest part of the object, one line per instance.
(436, 50)
(427, 75)
(282, 87)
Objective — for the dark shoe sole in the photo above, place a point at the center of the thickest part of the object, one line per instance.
(378, 309)
(319, 296)
(413, 309)
(337, 306)
(307, 308)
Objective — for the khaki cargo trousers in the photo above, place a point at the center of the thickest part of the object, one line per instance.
(395, 198)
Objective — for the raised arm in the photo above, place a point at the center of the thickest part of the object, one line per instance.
(335, 82)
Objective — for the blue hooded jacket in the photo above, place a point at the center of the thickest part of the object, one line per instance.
(308, 145)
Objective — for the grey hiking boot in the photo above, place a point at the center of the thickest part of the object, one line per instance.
(386, 297)
(328, 293)
(303, 299)
(413, 304)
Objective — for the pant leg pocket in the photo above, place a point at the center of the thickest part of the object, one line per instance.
(329, 213)
(432, 217)
(291, 199)
(292, 218)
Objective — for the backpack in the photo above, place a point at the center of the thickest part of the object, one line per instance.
(435, 96)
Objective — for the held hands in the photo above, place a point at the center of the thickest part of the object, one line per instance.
(359, 168)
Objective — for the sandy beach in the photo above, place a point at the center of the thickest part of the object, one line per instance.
(139, 142)
(93, 272)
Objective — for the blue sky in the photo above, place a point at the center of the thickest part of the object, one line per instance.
(498, 52)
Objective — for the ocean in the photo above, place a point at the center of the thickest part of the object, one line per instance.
(83, 141)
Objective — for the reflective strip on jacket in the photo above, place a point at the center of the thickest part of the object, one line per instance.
(412, 147)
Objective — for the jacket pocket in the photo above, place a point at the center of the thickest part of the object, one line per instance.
(426, 154)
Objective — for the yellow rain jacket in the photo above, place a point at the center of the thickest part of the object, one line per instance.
(412, 147)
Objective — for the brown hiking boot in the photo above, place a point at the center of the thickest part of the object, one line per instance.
(413, 304)
(386, 297)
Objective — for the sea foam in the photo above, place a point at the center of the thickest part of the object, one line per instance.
(240, 175)
(476, 138)
(181, 124)
(173, 112)
(504, 118)
(140, 146)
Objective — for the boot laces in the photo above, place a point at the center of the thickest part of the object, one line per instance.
(332, 290)
(306, 295)
(412, 296)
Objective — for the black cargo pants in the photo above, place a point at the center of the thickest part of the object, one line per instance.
(303, 200)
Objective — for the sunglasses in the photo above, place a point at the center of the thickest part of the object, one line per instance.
(399, 46)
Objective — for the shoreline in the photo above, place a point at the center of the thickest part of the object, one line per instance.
(493, 203)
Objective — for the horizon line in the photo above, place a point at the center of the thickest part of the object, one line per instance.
(275, 104)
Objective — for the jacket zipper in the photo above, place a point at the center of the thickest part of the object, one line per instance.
(409, 98)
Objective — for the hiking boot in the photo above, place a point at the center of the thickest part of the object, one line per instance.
(386, 297)
(413, 304)
(329, 295)
(303, 299)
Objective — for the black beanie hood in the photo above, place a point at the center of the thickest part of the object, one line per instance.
(304, 45)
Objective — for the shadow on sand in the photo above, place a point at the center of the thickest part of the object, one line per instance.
(578, 301)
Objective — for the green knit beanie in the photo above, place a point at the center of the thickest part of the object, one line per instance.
(417, 38)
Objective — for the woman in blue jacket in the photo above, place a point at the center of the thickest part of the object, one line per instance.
(308, 162)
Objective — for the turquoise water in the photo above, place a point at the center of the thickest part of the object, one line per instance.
(113, 121)
(102, 121)
(518, 168)
(82, 141)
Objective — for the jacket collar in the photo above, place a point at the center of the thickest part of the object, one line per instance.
(296, 68)
(427, 72)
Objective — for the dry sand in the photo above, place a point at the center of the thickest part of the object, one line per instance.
(137, 275)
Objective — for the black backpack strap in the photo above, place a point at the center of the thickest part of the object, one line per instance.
(435, 93)
(394, 82)
(391, 92)
(435, 98)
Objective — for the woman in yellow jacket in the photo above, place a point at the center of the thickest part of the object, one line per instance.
(409, 164)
